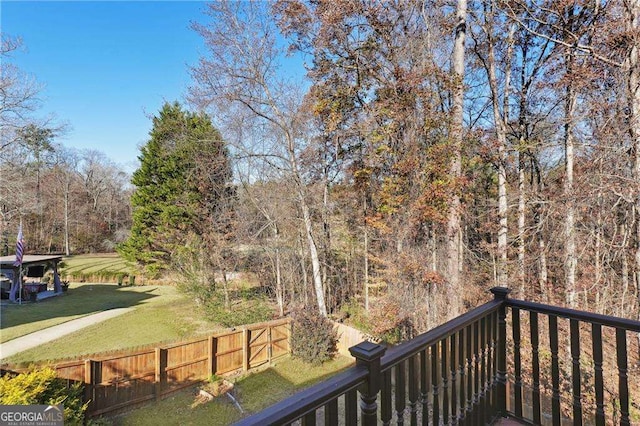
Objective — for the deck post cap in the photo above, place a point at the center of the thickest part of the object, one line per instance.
(367, 351)
(500, 293)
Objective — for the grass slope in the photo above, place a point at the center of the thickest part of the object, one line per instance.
(87, 264)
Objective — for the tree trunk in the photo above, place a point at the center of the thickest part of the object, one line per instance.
(326, 244)
(598, 262)
(278, 270)
(308, 227)
(366, 255)
(625, 283)
(67, 250)
(434, 250)
(570, 259)
(315, 260)
(521, 220)
(279, 287)
(225, 287)
(455, 205)
(305, 276)
(522, 149)
(537, 218)
(633, 67)
(501, 135)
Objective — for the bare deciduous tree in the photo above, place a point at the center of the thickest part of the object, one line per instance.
(241, 69)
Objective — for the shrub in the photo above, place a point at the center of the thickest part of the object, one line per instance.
(313, 338)
(41, 386)
(389, 323)
(354, 314)
(252, 309)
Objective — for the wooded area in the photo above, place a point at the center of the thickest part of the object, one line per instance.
(433, 150)
(69, 200)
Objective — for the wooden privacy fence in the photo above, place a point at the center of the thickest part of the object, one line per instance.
(348, 337)
(119, 381)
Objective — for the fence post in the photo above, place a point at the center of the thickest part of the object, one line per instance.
(269, 344)
(368, 355)
(245, 349)
(212, 355)
(161, 371)
(88, 384)
(289, 331)
(500, 294)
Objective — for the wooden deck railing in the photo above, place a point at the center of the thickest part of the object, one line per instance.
(585, 371)
(476, 369)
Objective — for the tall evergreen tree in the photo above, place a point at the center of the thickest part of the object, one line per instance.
(181, 186)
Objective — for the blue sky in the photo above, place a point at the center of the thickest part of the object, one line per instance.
(106, 66)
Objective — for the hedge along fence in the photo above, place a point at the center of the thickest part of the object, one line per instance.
(105, 276)
(117, 382)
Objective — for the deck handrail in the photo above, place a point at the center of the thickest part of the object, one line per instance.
(609, 321)
(407, 349)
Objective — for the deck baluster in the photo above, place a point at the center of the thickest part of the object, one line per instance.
(331, 413)
(476, 369)
(401, 392)
(623, 382)
(309, 419)
(555, 369)
(517, 387)
(535, 366)
(435, 373)
(413, 389)
(575, 371)
(424, 385)
(453, 370)
(500, 294)
(491, 368)
(470, 397)
(483, 370)
(462, 373)
(444, 371)
(386, 411)
(351, 407)
(596, 337)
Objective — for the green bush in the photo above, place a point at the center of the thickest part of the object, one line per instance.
(353, 314)
(201, 293)
(313, 338)
(250, 310)
(41, 386)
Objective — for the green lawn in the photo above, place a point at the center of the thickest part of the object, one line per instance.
(254, 393)
(80, 300)
(105, 265)
(161, 314)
